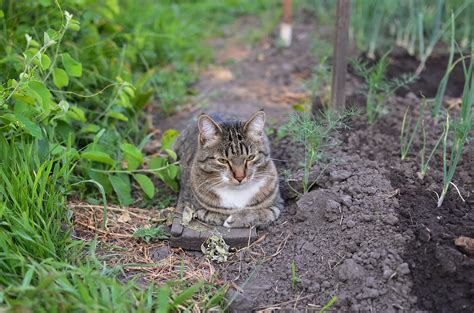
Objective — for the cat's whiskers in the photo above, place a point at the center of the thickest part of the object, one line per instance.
(212, 183)
(280, 160)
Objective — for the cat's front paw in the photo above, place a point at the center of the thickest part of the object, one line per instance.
(228, 223)
(238, 221)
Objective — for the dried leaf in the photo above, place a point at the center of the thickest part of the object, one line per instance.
(188, 214)
(215, 248)
(124, 218)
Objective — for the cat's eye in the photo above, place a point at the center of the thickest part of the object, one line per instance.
(222, 160)
(251, 157)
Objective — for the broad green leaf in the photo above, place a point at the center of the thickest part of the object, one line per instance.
(1, 14)
(73, 67)
(102, 179)
(58, 149)
(76, 114)
(45, 61)
(98, 156)
(41, 93)
(124, 100)
(90, 128)
(118, 116)
(172, 154)
(133, 156)
(146, 184)
(74, 25)
(63, 105)
(60, 78)
(29, 126)
(172, 183)
(121, 185)
(156, 163)
(129, 90)
(168, 138)
(173, 171)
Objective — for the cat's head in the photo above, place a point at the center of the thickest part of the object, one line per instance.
(233, 153)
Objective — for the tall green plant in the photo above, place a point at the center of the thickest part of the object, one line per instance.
(461, 128)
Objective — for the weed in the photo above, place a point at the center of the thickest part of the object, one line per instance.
(379, 88)
(151, 234)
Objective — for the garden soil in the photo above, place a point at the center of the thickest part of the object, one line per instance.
(369, 231)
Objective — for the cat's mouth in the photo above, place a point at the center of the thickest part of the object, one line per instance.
(239, 185)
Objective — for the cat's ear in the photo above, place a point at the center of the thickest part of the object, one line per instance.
(255, 125)
(209, 130)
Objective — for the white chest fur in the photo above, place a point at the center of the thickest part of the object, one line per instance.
(239, 197)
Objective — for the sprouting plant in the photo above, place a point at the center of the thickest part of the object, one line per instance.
(461, 130)
(294, 277)
(424, 161)
(151, 233)
(407, 137)
(315, 135)
(329, 304)
(378, 86)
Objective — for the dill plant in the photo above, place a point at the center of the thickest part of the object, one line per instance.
(315, 135)
(378, 86)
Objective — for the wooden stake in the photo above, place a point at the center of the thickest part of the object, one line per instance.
(285, 27)
(341, 43)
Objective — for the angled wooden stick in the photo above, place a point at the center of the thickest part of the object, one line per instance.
(341, 43)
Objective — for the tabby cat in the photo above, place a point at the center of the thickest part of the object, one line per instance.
(227, 174)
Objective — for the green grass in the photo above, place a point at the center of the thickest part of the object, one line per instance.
(75, 77)
(42, 268)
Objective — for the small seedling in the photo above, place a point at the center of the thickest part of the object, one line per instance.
(328, 305)
(151, 234)
(294, 277)
(407, 137)
(423, 160)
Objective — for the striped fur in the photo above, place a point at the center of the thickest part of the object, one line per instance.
(227, 173)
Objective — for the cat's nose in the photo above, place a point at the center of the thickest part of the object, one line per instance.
(239, 175)
(239, 178)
